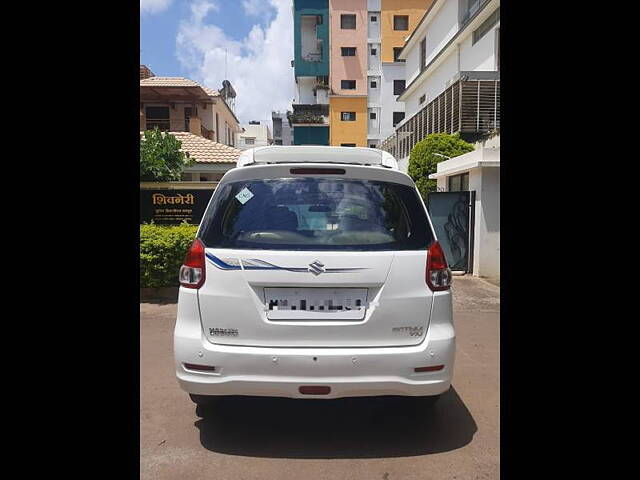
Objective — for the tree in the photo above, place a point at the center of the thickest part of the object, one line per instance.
(160, 157)
(423, 161)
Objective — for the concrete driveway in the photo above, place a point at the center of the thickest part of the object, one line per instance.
(385, 438)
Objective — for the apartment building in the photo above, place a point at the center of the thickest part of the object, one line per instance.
(347, 71)
(366, 77)
(310, 116)
(254, 135)
(282, 131)
(453, 75)
(453, 86)
(399, 18)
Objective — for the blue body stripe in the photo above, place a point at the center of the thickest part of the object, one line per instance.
(222, 265)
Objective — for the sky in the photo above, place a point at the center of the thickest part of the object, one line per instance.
(189, 38)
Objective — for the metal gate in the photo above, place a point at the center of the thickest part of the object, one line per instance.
(452, 217)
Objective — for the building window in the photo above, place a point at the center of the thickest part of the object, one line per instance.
(401, 22)
(158, 117)
(217, 130)
(348, 84)
(467, 9)
(374, 84)
(278, 142)
(373, 145)
(249, 141)
(348, 116)
(348, 51)
(459, 183)
(374, 18)
(487, 25)
(398, 87)
(397, 117)
(422, 98)
(423, 54)
(372, 115)
(396, 53)
(347, 144)
(374, 51)
(348, 22)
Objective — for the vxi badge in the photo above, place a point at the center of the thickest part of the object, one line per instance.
(412, 331)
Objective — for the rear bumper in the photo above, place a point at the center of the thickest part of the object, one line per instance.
(349, 372)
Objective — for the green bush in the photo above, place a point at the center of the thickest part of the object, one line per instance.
(161, 159)
(423, 162)
(162, 251)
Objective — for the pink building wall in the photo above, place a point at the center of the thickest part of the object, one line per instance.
(348, 68)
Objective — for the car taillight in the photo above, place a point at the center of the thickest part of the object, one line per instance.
(192, 270)
(438, 272)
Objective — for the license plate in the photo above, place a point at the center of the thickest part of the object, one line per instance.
(315, 303)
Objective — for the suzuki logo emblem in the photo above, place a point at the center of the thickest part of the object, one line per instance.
(316, 267)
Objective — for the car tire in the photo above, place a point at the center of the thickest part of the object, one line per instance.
(203, 400)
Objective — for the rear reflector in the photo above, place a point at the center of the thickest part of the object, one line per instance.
(435, 368)
(202, 368)
(314, 390)
(317, 171)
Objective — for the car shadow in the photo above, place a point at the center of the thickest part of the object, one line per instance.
(368, 427)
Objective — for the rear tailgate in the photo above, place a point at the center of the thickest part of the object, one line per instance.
(352, 240)
(237, 300)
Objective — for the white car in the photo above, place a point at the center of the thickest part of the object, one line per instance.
(315, 273)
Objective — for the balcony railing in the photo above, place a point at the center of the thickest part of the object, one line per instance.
(467, 106)
(311, 108)
(306, 117)
(167, 125)
(309, 113)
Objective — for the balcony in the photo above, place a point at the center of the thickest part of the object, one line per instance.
(167, 125)
(470, 107)
(309, 114)
(312, 39)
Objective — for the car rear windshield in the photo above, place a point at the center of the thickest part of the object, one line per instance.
(316, 214)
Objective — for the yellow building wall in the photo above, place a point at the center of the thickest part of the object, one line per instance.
(348, 132)
(390, 38)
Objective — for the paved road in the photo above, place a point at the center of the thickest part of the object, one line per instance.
(268, 438)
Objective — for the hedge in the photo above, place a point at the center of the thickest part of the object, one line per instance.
(162, 251)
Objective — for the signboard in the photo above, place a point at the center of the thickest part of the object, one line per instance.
(170, 207)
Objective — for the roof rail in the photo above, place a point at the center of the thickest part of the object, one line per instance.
(316, 154)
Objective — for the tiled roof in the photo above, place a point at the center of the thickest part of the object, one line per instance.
(168, 82)
(175, 82)
(211, 92)
(204, 150)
